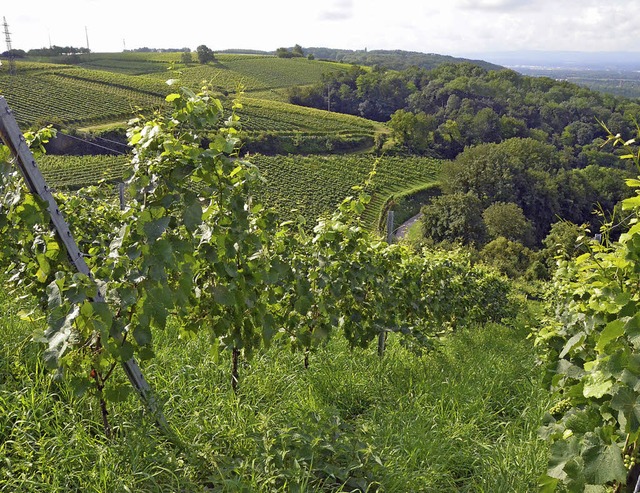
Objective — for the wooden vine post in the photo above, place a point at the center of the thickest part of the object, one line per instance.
(382, 337)
(12, 136)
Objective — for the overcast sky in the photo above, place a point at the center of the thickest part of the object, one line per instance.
(449, 27)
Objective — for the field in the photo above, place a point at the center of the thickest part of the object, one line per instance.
(463, 418)
(109, 87)
(312, 185)
(81, 171)
(315, 184)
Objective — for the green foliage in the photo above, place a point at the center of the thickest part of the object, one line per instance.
(454, 218)
(518, 171)
(186, 57)
(110, 87)
(592, 347)
(415, 131)
(565, 240)
(73, 95)
(507, 220)
(82, 171)
(447, 421)
(313, 185)
(193, 244)
(205, 54)
(510, 257)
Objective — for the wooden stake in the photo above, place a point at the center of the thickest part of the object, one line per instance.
(12, 136)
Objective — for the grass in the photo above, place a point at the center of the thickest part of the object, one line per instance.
(460, 419)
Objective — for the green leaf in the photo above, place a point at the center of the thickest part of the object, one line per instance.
(611, 332)
(603, 464)
(547, 484)
(596, 385)
(172, 97)
(117, 393)
(142, 335)
(571, 343)
(626, 402)
(303, 305)
(192, 216)
(632, 330)
(154, 229)
(223, 296)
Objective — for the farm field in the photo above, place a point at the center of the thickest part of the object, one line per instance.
(311, 185)
(82, 171)
(315, 184)
(109, 87)
(447, 421)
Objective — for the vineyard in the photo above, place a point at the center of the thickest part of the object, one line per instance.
(72, 96)
(289, 348)
(81, 171)
(310, 185)
(314, 185)
(195, 259)
(264, 115)
(98, 91)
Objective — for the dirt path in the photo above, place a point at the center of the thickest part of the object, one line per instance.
(401, 231)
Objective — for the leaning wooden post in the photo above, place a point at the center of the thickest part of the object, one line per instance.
(12, 136)
(382, 337)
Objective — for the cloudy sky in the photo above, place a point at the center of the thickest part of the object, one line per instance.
(451, 27)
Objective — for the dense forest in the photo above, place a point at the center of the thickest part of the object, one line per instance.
(533, 143)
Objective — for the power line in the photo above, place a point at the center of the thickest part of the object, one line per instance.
(111, 141)
(94, 144)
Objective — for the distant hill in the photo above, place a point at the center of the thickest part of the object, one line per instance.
(393, 59)
(574, 60)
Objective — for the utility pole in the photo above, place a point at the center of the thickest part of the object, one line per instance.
(10, 55)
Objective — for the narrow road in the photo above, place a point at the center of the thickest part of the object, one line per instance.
(404, 227)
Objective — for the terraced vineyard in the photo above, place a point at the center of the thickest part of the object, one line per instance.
(254, 73)
(81, 94)
(79, 171)
(315, 184)
(264, 115)
(70, 95)
(311, 184)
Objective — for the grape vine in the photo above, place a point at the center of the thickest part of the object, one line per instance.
(592, 347)
(194, 245)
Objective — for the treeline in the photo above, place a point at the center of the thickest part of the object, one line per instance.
(392, 59)
(439, 112)
(57, 51)
(516, 205)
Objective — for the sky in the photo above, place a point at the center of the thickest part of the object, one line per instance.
(447, 27)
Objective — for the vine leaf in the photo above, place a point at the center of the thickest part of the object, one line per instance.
(596, 385)
(611, 332)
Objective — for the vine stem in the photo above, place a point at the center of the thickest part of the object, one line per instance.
(234, 369)
(103, 404)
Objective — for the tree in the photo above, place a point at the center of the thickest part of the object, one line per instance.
(511, 258)
(454, 218)
(205, 54)
(297, 51)
(521, 171)
(506, 219)
(283, 53)
(186, 57)
(415, 131)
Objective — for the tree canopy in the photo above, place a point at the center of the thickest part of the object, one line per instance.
(205, 54)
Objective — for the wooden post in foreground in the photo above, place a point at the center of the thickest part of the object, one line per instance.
(12, 136)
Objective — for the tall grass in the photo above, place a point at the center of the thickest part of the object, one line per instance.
(463, 418)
